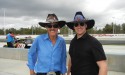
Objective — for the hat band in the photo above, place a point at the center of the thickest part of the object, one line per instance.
(51, 19)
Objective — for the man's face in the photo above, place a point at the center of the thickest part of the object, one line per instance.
(52, 29)
(80, 28)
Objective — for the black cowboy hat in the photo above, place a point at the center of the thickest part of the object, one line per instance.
(52, 18)
(80, 18)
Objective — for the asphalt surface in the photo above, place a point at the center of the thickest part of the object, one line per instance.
(18, 67)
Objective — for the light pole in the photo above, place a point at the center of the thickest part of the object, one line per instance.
(113, 28)
(113, 24)
(32, 29)
(4, 22)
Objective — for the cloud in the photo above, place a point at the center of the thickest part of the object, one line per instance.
(25, 13)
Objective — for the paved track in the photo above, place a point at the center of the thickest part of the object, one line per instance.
(17, 67)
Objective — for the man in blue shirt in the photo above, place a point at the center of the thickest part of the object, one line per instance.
(47, 55)
(10, 39)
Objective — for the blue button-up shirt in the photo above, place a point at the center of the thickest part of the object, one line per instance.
(44, 57)
(10, 38)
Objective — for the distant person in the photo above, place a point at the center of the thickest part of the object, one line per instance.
(10, 39)
(47, 55)
(87, 56)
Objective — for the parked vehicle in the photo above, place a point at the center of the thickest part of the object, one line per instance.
(22, 43)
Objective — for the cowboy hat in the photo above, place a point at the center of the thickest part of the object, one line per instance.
(80, 18)
(52, 18)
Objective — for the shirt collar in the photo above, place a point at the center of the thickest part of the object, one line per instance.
(47, 36)
(85, 35)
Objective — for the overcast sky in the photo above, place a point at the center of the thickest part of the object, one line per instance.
(25, 13)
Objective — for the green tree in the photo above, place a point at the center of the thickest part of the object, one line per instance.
(64, 30)
(117, 29)
(100, 31)
(1, 31)
(108, 29)
(91, 31)
(123, 28)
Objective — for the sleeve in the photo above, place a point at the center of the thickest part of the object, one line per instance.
(32, 55)
(98, 51)
(64, 56)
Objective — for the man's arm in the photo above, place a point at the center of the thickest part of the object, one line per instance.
(32, 57)
(69, 66)
(102, 67)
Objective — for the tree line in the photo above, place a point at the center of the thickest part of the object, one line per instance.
(108, 29)
(36, 30)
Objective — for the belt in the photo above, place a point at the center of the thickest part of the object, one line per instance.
(50, 73)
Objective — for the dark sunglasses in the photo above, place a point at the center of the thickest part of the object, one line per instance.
(52, 25)
(79, 23)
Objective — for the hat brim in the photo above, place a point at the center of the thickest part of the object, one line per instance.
(90, 24)
(60, 23)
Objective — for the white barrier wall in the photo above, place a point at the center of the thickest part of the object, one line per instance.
(116, 61)
(13, 53)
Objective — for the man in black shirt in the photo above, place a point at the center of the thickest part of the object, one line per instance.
(87, 56)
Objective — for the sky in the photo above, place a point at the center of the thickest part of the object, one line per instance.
(27, 13)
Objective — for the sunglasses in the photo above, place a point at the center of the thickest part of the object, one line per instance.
(79, 23)
(52, 25)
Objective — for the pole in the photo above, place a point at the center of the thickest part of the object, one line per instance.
(32, 29)
(4, 23)
(113, 28)
(113, 24)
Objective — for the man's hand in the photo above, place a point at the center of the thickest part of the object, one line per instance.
(32, 72)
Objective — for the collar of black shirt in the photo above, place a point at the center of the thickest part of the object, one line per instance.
(83, 37)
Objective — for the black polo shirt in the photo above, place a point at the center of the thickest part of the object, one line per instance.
(84, 53)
